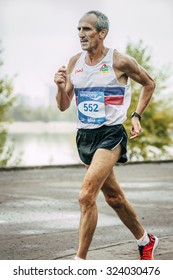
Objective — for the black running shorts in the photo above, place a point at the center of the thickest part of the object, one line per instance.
(104, 137)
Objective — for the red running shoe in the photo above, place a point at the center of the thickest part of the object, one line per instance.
(147, 251)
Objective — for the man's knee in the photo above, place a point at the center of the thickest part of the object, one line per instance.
(86, 199)
(116, 202)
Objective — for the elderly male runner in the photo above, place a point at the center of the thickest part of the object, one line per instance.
(99, 77)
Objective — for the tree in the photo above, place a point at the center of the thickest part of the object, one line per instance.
(157, 119)
(6, 101)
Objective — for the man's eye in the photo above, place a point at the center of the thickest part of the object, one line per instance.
(84, 29)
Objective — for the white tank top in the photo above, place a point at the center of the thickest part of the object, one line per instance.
(100, 99)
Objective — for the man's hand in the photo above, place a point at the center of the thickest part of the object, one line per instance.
(135, 128)
(60, 78)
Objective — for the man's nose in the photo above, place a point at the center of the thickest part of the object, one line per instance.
(81, 33)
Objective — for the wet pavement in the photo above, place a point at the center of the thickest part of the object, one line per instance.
(39, 212)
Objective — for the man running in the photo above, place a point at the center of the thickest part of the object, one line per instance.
(99, 77)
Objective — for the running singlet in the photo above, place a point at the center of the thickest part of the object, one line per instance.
(100, 99)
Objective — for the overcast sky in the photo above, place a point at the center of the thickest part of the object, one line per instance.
(38, 36)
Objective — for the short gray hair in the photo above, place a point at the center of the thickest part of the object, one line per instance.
(102, 20)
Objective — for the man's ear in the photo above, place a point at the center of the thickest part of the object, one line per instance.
(103, 33)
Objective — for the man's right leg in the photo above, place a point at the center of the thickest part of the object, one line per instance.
(100, 168)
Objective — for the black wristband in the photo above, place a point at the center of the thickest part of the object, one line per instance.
(134, 114)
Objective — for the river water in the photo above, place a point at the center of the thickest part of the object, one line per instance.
(53, 143)
(40, 143)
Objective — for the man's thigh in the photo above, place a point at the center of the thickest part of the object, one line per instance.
(100, 168)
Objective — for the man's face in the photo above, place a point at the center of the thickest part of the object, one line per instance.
(89, 37)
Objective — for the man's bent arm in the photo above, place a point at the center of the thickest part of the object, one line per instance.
(140, 75)
(132, 69)
(148, 87)
(63, 99)
(65, 91)
(64, 88)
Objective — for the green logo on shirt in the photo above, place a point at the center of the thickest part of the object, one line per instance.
(104, 69)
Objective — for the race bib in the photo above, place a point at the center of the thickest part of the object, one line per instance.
(91, 108)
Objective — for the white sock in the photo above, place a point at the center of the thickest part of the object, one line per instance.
(144, 240)
(77, 258)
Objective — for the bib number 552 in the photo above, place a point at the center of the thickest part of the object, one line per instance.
(90, 107)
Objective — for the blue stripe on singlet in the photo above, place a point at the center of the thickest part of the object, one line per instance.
(108, 91)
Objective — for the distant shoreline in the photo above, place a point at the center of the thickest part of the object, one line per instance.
(39, 127)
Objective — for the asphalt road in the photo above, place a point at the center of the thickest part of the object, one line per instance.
(39, 213)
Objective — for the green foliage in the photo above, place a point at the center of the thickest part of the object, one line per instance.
(6, 97)
(6, 149)
(157, 118)
(22, 112)
(6, 101)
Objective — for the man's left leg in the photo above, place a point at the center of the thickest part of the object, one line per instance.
(116, 199)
